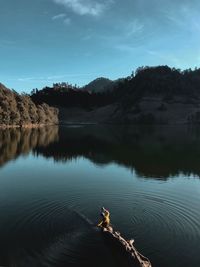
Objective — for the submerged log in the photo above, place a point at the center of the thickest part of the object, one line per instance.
(127, 245)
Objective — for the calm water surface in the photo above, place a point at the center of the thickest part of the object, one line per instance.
(54, 181)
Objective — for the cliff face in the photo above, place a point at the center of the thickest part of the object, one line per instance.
(19, 110)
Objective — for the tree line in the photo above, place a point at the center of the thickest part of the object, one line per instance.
(161, 80)
(16, 109)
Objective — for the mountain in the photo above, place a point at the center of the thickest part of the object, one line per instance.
(19, 110)
(151, 95)
(159, 95)
(99, 85)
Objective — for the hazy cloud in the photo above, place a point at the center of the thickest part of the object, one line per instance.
(125, 48)
(85, 7)
(134, 27)
(186, 17)
(52, 78)
(167, 57)
(67, 21)
(59, 16)
(62, 17)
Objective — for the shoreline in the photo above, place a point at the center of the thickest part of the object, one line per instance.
(75, 123)
(26, 126)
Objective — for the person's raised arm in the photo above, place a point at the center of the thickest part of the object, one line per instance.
(100, 224)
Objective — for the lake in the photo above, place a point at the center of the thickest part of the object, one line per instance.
(53, 182)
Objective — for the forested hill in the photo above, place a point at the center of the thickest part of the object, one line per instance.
(151, 94)
(151, 81)
(19, 110)
(100, 85)
(163, 81)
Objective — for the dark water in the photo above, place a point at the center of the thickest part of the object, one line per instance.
(54, 181)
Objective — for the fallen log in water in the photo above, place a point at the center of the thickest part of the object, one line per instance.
(127, 245)
(138, 259)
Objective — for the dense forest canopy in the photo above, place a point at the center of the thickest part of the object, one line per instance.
(70, 96)
(16, 109)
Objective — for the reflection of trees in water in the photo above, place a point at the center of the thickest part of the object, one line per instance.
(152, 152)
(16, 142)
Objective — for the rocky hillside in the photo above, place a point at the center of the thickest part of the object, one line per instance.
(19, 110)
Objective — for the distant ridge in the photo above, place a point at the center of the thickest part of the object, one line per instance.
(150, 95)
(99, 85)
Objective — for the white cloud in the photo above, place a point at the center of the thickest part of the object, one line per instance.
(85, 7)
(59, 16)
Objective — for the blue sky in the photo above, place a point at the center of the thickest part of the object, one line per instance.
(46, 41)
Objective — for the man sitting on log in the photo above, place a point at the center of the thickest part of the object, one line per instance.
(105, 223)
(127, 245)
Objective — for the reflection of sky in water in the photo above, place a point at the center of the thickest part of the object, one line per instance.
(48, 208)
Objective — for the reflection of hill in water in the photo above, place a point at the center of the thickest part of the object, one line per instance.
(16, 142)
(151, 151)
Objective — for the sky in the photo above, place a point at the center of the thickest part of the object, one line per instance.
(76, 41)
